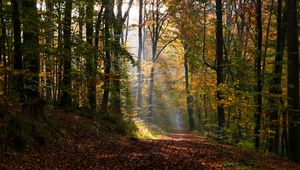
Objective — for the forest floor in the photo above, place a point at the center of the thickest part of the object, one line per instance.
(87, 147)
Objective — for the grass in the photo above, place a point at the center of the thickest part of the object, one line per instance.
(145, 131)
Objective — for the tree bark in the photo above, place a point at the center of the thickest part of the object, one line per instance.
(293, 80)
(154, 38)
(66, 100)
(258, 89)
(220, 61)
(189, 97)
(31, 56)
(90, 60)
(140, 50)
(18, 62)
(107, 61)
(49, 45)
(3, 47)
(276, 100)
(118, 28)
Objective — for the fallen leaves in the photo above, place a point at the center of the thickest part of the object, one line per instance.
(91, 149)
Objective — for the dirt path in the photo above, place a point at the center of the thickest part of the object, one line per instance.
(178, 151)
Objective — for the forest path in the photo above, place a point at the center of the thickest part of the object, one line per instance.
(93, 150)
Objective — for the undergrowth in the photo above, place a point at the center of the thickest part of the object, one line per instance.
(145, 131)
(134, 127)
(21, 131)
(26, 132)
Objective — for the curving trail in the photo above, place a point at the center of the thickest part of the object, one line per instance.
(94, 150)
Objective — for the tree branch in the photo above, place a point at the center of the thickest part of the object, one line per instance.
(127, 11)
(162, 49)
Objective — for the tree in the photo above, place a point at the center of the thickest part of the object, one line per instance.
(90, 58)
(31, 57)
(3, 38)
(189, 97)
(293, 80)
(118, 28)
(66, 99)
(220, 60)
(108, 18)
(18, 63)
(276, 100)
(140, 50)
(156, 30)
(49, 46)
(258, 88)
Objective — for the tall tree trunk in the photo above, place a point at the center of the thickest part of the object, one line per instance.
(49, 45)
(284, 136)
(31, 56)
(189, 97)
(199, 114)
(116, 81)
(97, 27)
(293, 80)
(97, 34)
(140, 50)
(1, 27)
(205, 106)
(57, 75)
(258, 89)
(66, 100)
(151, 85)
(90, 62)
(107, 61)
(3, 47)
(220, 61)
(118, 29)
(18, 63)
(79, 85)
(275, 89)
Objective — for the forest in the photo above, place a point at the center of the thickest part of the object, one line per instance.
(153, 84)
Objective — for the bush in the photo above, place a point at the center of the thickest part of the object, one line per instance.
(125, 127)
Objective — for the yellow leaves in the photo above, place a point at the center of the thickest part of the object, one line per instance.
(42, 74)
(233, 98)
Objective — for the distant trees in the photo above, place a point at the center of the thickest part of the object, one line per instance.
(58, 56)
(157, 29)
(250, 65)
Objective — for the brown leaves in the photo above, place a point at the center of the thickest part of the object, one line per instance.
(90, 149)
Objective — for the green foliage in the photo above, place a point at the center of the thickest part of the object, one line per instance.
(125, 127)
(246, 144)
(147, 131)
(240, 123)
